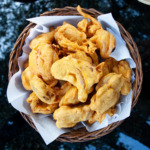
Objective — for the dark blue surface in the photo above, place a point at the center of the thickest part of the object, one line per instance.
(16, 134)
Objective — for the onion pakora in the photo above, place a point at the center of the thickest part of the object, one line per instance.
(33, 64)
(71, 38)
(104, 41)
(44, 38)
(44, 92)
(37, 106)
(99, 38)
(46, 56)
(108, 93)
(101, 117)
(67, 76)
(91, 27)
(67, 117)
(119, 67)
(80, 73)
(26, 78)
(71, 97)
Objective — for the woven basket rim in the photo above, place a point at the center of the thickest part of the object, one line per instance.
(80, 135)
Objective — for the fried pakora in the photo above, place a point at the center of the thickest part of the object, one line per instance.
(91, 27)
(120, 67)
(33, 64)
(67, 76)
(124, 69)
(71, 38)
(99, 38)
(67, 117)
(104, 41)
(44, 38)
(108, 94)
(44, 92)
(71, 97)
(100, 117)
(37, 106)
(80, 73)
(46, 56)
(82, 25)
(26, 78)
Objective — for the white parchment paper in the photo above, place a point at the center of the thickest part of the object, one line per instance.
(45, 124)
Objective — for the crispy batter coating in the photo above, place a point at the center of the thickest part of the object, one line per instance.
(101, 117)
(44, 38)
(44, 92)
(92, 44)
(104, 41)
(81, 56)
(26, 78)
(90, 27)
(108, 94)
(120, 67)
(80, 73)
(67, 117)
(90, 57)
(33, 63)
(109, 65)
(42, 57)
(94, 58)
(63, 89)
(71, 38)
(104, 80)
(37, 106)
(46, 56)
(126, 88)
(82, 25)
(124, 69)
(71, 97)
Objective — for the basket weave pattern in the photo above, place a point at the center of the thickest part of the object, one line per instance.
(80, 135)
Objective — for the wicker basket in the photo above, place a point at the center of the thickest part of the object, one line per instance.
(80, 135)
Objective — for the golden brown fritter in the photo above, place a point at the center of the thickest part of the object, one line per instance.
(108, 94)
(82, 25)
(26, 78)
(120, 67)
(71, 97)
(37, 106)
(44, 92)
(91, 27)
(44, 38)
(100, 117)
(46, 56)
(71, 38)
(80, 73)
(33, 63)
(104, 41)
(67, 117)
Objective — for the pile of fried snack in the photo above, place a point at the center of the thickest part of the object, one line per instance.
(71, 75)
